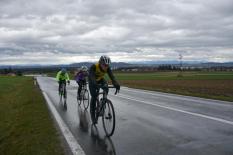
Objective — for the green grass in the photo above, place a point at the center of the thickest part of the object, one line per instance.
(173, 76)
(214, 85)
(26, 128)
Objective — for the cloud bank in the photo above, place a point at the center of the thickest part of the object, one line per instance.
(67, 31)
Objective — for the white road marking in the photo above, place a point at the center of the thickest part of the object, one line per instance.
(73, 144)
(178, 110)
(181, 97)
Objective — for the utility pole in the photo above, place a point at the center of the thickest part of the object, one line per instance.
(180, 57)
(181, 67)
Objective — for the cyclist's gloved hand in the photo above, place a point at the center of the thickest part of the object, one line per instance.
(68, 82)
(117, 86)
(105, 87)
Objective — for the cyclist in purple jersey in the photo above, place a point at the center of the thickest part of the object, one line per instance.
(80, 78)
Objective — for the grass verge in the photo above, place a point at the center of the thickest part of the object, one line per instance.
(212, 89)
(26, 126)
(213, 85)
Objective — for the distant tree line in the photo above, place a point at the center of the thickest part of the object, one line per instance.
(168, 67)
(172, 68)
(7, 71)
(38, 70)
(164, 67)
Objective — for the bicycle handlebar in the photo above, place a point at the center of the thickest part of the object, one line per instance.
(117, 91)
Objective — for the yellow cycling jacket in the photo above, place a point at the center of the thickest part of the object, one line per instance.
(99, 74)
(96, 74)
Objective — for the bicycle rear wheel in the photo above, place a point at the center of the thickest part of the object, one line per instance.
(64, 97)
(61, 99)
(64, 104)
(85, 99)
(79, 99)
(109, 118)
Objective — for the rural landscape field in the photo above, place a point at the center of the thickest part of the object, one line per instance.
(214, 85)
(207, 84)
(26, 127)
(26, 124)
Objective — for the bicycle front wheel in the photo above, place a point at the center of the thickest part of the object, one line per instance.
(64, 104)
(64, 99)
(86, 99)
(109, 118)
(79, 100)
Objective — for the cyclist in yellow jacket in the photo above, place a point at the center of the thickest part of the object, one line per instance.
(97, 81)
(62, 77)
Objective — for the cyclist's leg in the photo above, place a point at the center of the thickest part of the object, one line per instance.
(94, 93)
(104, 84)
(84, 81)
(65, 93)
(59, 87)
(79, 88)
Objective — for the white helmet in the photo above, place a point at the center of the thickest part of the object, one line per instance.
(84, 68)
(105, 60)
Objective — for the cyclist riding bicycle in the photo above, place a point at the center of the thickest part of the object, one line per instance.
(80, 78)
(62, 77)
(96, 81)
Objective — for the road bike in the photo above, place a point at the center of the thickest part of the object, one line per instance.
(63, 94)
(84, 96)
(104, 108)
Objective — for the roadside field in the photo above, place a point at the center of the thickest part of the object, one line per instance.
(214, 85)
(26, 126)
(173, 76)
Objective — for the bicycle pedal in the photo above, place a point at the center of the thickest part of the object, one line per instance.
(109, 116)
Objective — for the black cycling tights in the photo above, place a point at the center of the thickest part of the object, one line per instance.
(94, 93)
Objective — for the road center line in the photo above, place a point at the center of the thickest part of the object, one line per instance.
(178, 110)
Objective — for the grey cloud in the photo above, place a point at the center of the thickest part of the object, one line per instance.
(86, 28)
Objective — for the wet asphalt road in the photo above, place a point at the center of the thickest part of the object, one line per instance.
(150, 123)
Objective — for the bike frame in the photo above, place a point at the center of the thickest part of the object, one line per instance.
(82, 95)
(104, 99)
(102, 103)
(84, 87)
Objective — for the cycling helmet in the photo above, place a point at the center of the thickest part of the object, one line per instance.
(84, 68)
(63, 71)
(105, 60)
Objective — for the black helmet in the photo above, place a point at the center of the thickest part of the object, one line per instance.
(105, 60)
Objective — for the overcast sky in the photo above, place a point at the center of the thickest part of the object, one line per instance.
(68, 31)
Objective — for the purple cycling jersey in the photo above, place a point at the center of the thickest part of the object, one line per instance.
(80, 76)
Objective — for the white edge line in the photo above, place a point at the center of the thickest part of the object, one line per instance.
(186, 112)
(178, 96)
(73, 144)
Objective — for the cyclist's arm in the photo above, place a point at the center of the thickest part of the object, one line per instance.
(91, 74)
(114, 82)
(58, 76)
(110, 74)
(67, 77)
